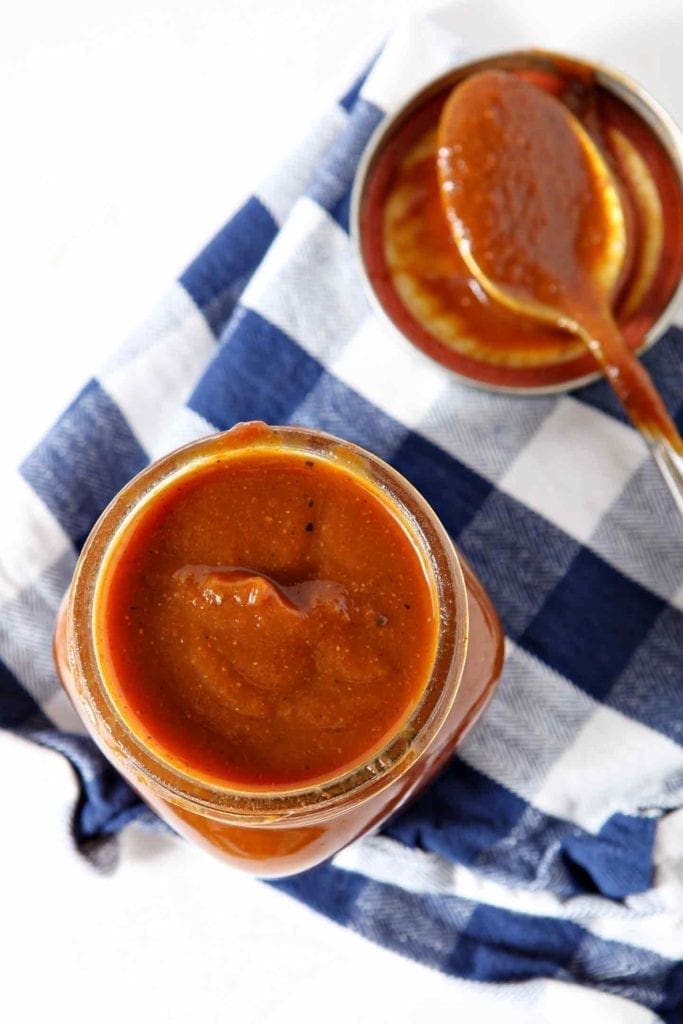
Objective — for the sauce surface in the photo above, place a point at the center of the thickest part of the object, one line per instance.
(425, 287)
(266, 620)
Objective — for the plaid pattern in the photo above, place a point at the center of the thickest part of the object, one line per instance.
(546, 860)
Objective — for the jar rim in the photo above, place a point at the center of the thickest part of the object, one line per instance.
(414, 735)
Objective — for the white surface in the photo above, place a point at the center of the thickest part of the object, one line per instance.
(130, 131)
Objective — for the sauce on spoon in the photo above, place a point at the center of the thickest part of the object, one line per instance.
(538, 220)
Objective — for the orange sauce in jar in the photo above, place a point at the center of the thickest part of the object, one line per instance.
(270, 635)
(266, 621)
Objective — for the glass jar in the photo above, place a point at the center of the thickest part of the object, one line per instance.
(280, 832)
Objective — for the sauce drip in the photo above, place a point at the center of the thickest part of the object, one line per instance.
(538, 220)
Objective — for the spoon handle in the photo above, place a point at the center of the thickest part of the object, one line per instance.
(630, 381)
(642, 402)
(670, 465)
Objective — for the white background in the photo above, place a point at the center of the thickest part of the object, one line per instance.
(130, 131)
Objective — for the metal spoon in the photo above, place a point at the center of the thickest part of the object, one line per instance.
(538, 220)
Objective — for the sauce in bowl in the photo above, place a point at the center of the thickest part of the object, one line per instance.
(424, 287)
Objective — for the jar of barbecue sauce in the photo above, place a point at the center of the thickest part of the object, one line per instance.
(271, 636)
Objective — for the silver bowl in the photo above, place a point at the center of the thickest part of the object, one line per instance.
(612, 81)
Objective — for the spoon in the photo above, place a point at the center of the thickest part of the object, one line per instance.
(538, 220)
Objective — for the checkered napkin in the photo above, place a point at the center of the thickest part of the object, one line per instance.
(547, 861)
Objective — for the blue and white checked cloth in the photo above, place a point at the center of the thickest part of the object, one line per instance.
(547, 861)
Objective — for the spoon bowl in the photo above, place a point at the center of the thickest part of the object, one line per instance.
(532, 204)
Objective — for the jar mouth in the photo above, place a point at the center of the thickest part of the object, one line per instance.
(141, 762)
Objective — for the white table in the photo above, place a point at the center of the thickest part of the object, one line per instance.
(134, 128)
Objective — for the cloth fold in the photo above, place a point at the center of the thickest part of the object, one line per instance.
(549, 854)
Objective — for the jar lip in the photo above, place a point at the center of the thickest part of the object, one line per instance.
(139, 761)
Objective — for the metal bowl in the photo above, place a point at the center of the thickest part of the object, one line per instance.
(612, 81)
